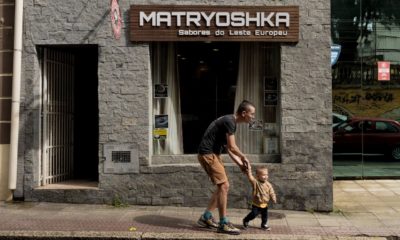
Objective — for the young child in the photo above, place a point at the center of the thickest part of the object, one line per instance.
(262, 193)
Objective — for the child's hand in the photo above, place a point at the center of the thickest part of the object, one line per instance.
(249, 167)
(243, 168)
(245, 161)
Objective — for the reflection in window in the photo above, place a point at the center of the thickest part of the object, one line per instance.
(368, 32)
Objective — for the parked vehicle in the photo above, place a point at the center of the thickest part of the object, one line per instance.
(370, 136)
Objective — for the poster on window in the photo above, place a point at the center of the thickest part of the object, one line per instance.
(160, 133)
(383, 71)
(270, 98)
(160, 90)
(256, 125)
(270, 83)
(161, 121)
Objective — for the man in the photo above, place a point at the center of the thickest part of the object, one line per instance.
(220, 134)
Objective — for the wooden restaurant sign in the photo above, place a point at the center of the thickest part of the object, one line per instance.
(214, 23)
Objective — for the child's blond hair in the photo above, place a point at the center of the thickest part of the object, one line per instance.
(261, 169)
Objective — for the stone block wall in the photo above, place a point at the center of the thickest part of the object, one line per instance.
(303, 178)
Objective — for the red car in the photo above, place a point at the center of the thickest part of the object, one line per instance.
(371, 136)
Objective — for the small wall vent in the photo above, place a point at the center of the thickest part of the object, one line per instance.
(121, 158)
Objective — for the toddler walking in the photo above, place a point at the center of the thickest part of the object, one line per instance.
(262, 193)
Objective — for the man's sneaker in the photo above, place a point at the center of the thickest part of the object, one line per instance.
(265, 227)
(228, 228)
(245, 224)
(208, 223)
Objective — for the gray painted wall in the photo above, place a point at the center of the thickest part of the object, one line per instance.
(303, 179)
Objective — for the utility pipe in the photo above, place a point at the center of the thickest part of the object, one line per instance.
(16, 88)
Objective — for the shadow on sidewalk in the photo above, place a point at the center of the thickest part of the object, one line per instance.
(182, 223)
(164, 221)
(275, 215)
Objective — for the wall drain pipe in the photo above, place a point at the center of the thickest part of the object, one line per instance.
(16, 88)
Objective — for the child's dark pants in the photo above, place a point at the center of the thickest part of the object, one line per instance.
(255, 211)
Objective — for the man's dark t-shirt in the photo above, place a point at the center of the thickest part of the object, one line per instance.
(214, 138)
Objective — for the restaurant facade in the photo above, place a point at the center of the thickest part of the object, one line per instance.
(115, 97)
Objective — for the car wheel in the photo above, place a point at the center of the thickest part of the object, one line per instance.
(396, 153)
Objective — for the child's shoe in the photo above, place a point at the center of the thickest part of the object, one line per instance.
(265, 227)
(245, 224)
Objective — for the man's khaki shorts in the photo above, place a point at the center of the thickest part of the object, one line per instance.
(214, 167)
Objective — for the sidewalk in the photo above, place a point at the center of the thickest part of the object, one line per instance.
(364, 209)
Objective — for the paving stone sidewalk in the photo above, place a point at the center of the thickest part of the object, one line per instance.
(363, 210)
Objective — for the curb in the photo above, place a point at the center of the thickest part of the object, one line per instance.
(91, 235)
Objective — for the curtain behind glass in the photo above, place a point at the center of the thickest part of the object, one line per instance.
(163, 70)
(250, 87)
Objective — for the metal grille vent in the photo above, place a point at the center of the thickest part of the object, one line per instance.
(121, 156)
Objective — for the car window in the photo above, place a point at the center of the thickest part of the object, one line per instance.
(385, 127)
(352, 127)
(367, 126)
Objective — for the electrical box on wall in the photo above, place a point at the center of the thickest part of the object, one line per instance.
(121, 158)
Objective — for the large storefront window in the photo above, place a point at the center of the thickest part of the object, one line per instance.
(366, 88)
(196, 82)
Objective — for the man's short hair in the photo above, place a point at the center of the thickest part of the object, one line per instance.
(244, 106)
